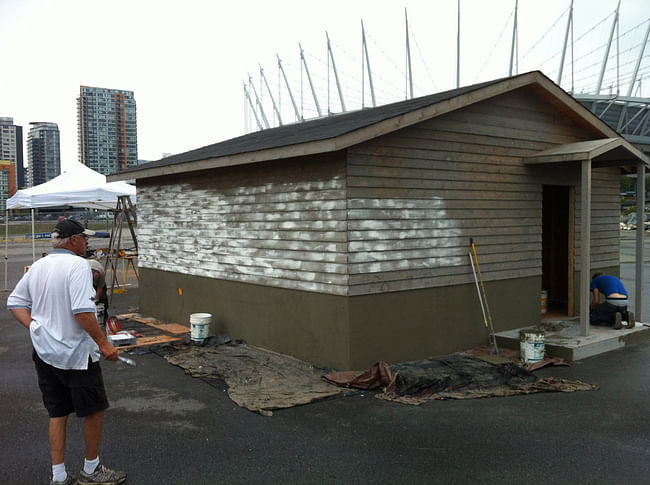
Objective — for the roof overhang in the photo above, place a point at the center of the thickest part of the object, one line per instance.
(606, 152)
(556, 95)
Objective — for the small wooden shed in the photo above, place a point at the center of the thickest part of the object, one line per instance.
(344, 240)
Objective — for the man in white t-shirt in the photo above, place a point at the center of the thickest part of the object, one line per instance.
(55, 300)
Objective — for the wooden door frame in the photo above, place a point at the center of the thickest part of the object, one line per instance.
(567, 204)
(571, 304)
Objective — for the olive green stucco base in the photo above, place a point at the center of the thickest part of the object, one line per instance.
(338, 331)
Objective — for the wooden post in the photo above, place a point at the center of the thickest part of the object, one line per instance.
(6, 247)
(640, 231)
(585, 243)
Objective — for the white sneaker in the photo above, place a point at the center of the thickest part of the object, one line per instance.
(102, 476)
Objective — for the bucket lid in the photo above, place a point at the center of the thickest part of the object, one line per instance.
(201, 315)
(531, 331)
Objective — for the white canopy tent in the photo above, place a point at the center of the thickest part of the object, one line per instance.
(80, 186)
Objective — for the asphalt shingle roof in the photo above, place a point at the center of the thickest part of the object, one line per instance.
(311, 130)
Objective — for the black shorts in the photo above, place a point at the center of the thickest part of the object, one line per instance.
(64, 391)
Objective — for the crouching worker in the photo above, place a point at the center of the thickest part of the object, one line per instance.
(612, 311)
(55, 301)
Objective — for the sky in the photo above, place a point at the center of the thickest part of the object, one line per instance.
(188, 62)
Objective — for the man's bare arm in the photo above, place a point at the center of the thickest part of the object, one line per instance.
(23, 315)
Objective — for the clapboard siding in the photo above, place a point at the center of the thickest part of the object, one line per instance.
(464, 149)
(416, 151)
(492, 145)
(281, 224)
(381, 176)
(478, 128)
(433, 184)
(393, 213)
(418, 195)
(605, 219)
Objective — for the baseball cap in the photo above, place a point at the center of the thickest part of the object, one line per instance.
(70, 227)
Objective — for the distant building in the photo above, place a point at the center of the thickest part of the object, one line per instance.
(11, 147)
(7, 182)
(107, 129)
(43, 152)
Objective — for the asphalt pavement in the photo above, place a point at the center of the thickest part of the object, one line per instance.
(628, 267)
(165, 427)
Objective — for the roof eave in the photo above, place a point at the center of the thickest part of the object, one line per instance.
(590, 150)
(375, 130)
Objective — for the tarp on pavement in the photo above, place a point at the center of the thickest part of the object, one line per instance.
(261, 380)
(258, 380)
(452, 377)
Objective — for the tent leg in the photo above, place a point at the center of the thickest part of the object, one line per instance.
(6, 248)
(33, 239)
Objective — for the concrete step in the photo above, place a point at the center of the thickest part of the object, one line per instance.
(562, 338)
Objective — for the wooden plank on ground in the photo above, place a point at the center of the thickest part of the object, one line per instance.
(147, 341)
(175, 328)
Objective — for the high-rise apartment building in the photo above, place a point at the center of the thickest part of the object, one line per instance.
(43, 152)
(107, 127)
(7, 182)
(11, 147)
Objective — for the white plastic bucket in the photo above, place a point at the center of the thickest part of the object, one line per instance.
(532, 346)
(200, 326)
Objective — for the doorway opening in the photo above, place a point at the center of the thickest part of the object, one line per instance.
(558, 262)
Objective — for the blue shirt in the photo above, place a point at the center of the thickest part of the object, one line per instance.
(607, 284)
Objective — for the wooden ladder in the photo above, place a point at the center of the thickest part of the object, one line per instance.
(124, 211)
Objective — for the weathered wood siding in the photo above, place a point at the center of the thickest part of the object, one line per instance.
(391, 214)
(417, 196)
(279, 224)
(605, 219)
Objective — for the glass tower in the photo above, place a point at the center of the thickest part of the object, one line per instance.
(43, 152)
(107, 128)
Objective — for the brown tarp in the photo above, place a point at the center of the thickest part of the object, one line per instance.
(379, 375)
(257, 379)
(261, 380)
(452, 377)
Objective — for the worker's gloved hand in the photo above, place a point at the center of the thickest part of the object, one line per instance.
(108, 351)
